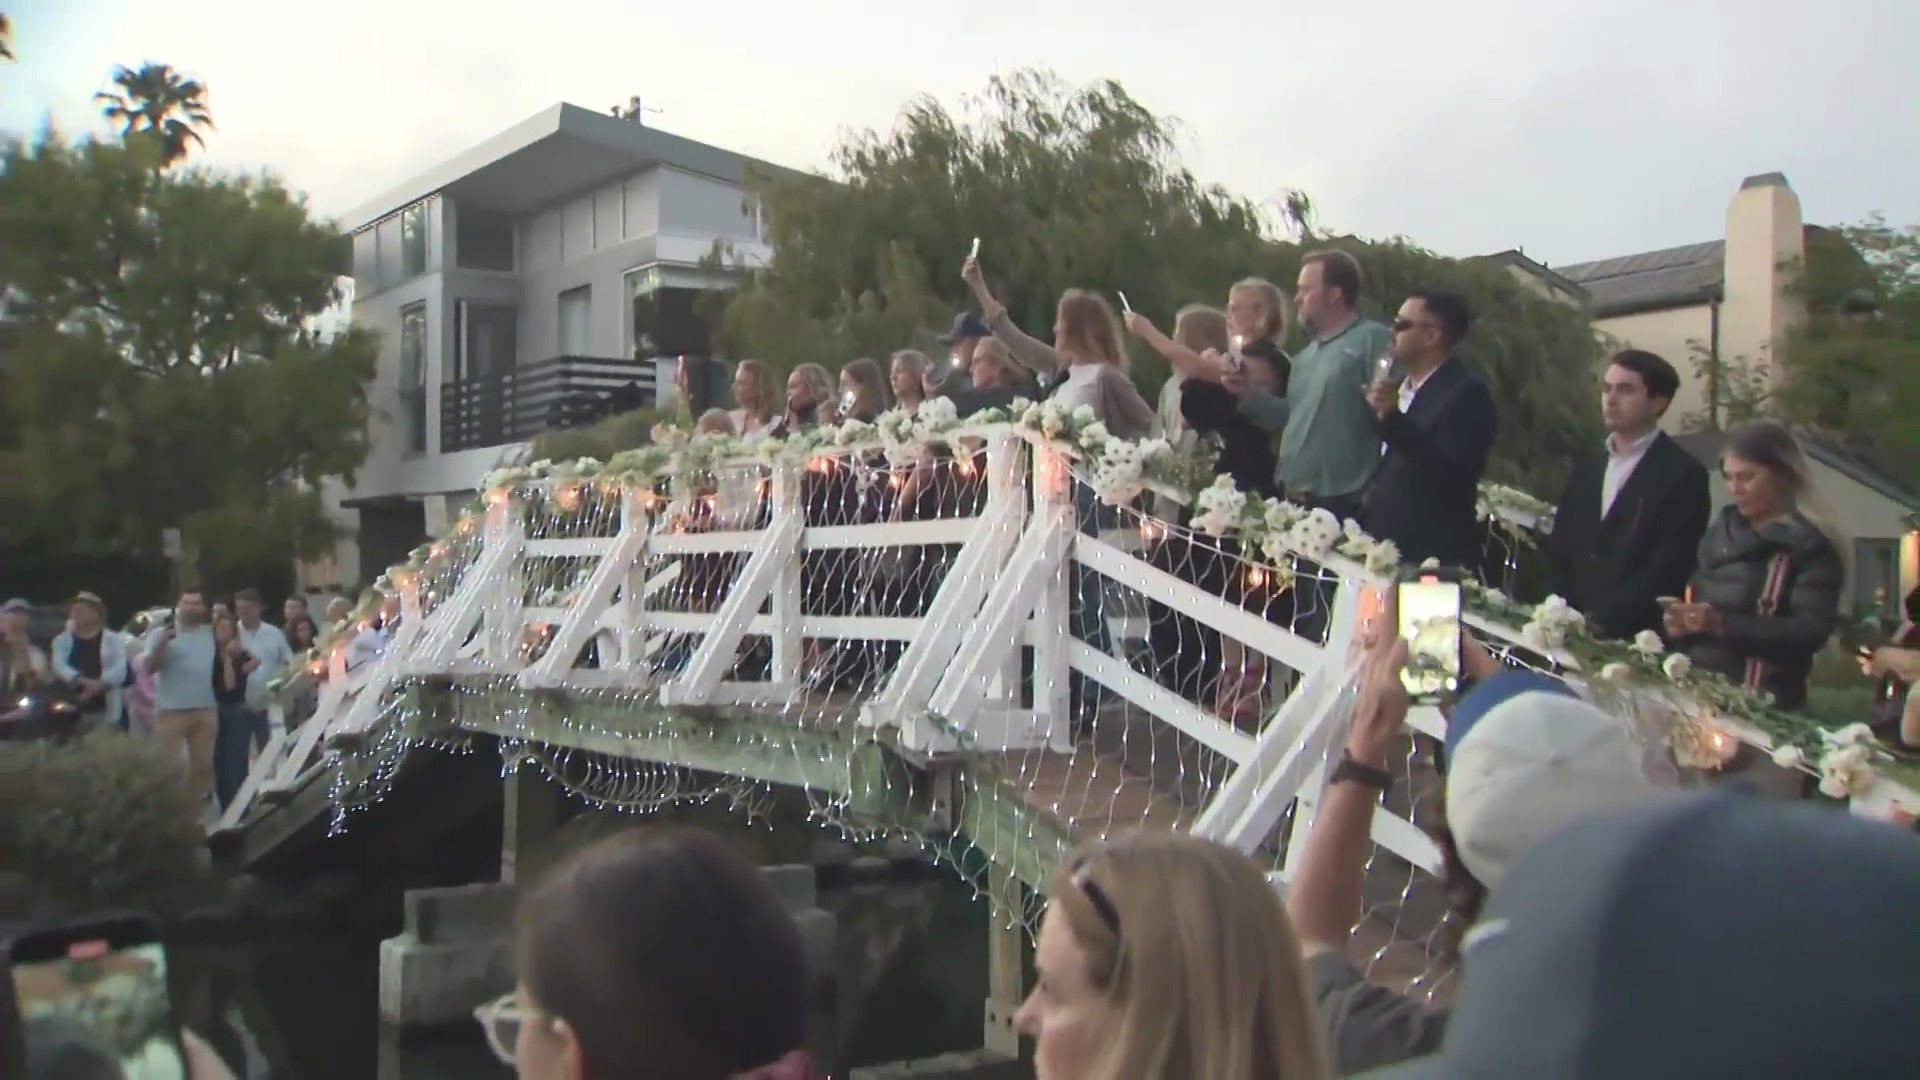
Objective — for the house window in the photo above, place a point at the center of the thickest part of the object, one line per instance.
(1876, 579)
(663, 316)
(413, 241)
(487, 340)
(483, 239)
(576, 317)
(413, 377)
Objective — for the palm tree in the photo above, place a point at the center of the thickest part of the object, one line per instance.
(157, 99)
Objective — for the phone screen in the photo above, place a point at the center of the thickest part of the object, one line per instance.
(96, 1005)
(1430, 625)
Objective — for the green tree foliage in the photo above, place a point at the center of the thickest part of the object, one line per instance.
(1852, 369)
(158, 103)
(1085, 187)
(165, 374)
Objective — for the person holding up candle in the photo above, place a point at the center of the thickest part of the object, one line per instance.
(1772, 569)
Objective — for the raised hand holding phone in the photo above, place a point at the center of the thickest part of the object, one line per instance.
(93, 989)
(1428, 604)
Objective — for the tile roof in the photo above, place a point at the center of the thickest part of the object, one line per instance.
(1652, 279)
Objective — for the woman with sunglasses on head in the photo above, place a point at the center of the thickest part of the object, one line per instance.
(1168, 957)
(655, 954)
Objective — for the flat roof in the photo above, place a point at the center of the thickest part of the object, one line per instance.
(555, 153)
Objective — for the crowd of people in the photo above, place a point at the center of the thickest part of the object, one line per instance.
(1609, 928)
(193, 677)
(1384, 424)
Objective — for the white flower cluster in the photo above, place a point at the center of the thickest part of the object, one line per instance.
(1378, 556)
(1553, 620)
(513, 475)
(934, 416)
(1219, 507)
(1846, 761)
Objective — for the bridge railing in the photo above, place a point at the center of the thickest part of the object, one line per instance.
(991, 591)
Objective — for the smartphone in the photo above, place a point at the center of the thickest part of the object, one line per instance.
(1429, 605)
(91, 999)
(1666, 601)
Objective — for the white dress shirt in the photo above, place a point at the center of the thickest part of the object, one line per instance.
(1622, 459)
(1409, 388)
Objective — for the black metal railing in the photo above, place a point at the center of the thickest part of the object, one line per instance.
(563, 392)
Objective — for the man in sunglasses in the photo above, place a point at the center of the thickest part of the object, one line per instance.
(1437, 424)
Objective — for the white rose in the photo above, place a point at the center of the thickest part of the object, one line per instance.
(1648, 643)
(1677, 666)
(1789, 756)
(1615, 672)
(1853, 735)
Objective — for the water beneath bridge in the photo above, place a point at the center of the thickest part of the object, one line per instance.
(911, 968)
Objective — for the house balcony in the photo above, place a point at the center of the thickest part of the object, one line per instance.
(562, 392)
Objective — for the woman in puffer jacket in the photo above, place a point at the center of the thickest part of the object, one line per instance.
(1772, 569)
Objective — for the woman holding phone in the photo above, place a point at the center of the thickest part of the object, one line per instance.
(238, 725)
(1766, 596)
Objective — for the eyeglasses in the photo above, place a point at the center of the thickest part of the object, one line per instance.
(500, 1019)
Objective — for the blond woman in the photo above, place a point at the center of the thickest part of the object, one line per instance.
(1168, 957)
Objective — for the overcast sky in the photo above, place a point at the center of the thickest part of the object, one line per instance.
(1575, 128)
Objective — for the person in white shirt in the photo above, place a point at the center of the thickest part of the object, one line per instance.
(1628, 526)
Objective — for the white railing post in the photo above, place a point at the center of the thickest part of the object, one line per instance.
(1005, 516)
(786, 605)
(1053, 609)
(502, 622)
(630, 625)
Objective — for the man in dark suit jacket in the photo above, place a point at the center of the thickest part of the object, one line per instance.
(1629, 523)
(1437, 425)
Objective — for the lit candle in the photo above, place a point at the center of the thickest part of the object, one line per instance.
(1686, 595)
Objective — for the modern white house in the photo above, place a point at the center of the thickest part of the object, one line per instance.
(517, 286)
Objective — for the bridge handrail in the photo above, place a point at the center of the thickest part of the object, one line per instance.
(1849, 762)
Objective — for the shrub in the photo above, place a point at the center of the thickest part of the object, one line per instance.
(604, 438)
(100, 823)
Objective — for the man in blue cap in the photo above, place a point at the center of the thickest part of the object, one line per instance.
(1700, 936)
(1525, 756)
(967, 333)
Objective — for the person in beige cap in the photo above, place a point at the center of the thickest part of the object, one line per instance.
(93, 660)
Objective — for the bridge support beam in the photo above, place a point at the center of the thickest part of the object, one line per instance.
(1006, 966)
(534, 806)
(455, 952)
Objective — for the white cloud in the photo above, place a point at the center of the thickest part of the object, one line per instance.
(1578, 130)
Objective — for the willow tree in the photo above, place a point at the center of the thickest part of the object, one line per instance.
(1086, 187)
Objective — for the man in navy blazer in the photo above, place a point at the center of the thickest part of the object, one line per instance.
(1628, 527)
(1437, 425)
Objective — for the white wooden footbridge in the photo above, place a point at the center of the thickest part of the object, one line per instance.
(892, 632)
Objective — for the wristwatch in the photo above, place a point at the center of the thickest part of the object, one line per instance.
(1352, 770)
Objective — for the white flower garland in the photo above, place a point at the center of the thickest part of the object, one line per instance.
(1120, 470)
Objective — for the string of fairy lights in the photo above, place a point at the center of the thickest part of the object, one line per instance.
(689, 484)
